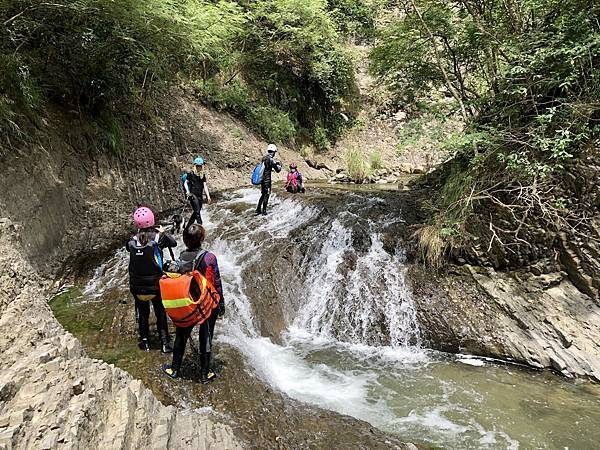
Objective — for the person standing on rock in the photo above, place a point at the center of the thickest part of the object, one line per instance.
(145, 270)
(195, 186)
(265, 185)
(194, 258)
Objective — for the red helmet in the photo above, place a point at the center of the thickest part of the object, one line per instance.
(293, 166)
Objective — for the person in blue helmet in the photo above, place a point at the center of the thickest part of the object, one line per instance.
(195, 186)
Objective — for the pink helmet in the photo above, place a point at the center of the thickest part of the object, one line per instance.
(143, 218)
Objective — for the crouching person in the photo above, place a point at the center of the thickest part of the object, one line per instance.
(295, 180)
(192, 294)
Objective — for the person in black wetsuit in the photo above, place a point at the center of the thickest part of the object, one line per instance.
(145, 270)
(195, 186)
(265, 185)
(207, 265)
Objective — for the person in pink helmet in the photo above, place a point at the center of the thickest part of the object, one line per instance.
(145, 270)
(295, 180)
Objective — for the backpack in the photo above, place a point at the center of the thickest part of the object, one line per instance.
(257, 173)
(188, 298)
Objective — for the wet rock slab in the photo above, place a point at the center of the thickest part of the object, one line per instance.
(543, 321)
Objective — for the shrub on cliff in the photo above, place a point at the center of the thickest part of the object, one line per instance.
(292, 57)
(104, 57)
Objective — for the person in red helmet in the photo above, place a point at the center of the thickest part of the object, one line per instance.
(145, 270)
(295, 181)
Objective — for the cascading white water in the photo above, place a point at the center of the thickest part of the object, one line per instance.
(367, 303)
(353, 346)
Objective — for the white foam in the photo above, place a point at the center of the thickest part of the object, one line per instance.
(111, 274)
(472, 361)
(434, 419)
(287, 371)
(351, 304)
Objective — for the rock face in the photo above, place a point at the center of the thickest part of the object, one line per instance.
(572, 246)
(53, 396)
(63, 202)
(543, 321)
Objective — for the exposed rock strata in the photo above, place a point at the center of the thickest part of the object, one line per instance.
(53, 396)
(543, 321)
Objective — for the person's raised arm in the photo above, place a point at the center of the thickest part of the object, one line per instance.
(186, 186)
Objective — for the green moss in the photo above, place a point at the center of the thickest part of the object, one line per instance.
(73, 315)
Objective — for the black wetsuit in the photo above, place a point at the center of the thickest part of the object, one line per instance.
(265, 185)
(207, 328)
(196, 186)
(145, 271)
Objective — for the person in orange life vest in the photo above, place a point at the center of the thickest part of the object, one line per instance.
(295, 181)
(206, 263)
(145, 270)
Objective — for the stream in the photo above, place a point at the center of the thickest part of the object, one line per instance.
(319, 313)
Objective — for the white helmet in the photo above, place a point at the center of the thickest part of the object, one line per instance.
(271, 148)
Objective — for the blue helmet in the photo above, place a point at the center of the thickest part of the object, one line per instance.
(199, 161)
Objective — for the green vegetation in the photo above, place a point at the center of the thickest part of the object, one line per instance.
(292, 57)
(236, 133)
(105, 59)
(524, 77)
(306, 152)
(75, 320)
(354, 18)
(356, 166)
(277, 64)
(376, 160)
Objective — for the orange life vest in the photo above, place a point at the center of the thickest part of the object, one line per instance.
(189, 299)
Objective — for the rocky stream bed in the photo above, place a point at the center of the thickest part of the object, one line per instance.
(326, 336)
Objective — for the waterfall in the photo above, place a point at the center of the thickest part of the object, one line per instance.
(367, 304)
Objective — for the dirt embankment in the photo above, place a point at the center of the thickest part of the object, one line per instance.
(63, 203)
